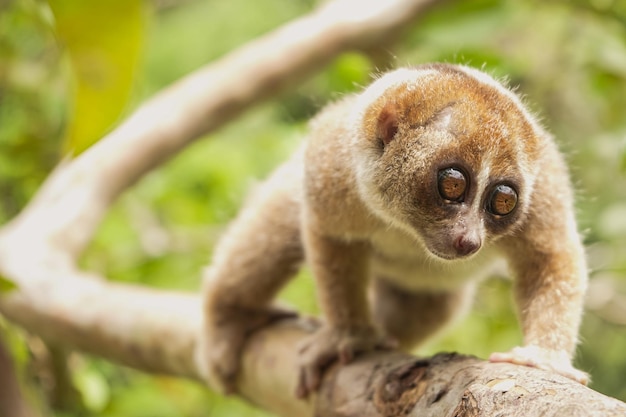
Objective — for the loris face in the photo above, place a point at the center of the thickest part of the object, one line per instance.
(448, 157)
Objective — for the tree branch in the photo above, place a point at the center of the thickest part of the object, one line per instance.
(157, 331)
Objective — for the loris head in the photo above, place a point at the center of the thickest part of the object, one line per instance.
(447, 154)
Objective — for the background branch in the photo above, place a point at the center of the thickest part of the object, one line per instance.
(71, 203)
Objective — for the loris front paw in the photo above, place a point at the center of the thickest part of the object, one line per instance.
(223, 340)
(329, 344)
(548, 360)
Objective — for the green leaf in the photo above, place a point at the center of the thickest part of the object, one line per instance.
(6, 285)
(350, 72)
(93, 387)
(103, 39)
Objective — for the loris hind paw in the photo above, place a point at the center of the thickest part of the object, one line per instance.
(548, 360)
(223, 341)
(329, 344)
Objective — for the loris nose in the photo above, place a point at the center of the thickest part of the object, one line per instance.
(466, 244)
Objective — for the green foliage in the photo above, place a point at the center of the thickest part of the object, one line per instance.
(567, 57)
(6, 285)
(103, 41)
(32, 102)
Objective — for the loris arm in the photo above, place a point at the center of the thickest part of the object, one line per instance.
(340, 269)
(548, 261)
(549, 290)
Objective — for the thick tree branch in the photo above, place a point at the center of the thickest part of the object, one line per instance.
(157, 331)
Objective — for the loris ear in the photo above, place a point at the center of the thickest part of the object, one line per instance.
(387, 123)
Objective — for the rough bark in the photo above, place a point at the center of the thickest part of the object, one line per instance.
(156, 331)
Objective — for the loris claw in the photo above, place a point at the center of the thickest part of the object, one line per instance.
(227, 335)
(402, 197)
(329, 344)
(548, 360)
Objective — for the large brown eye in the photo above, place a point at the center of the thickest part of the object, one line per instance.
(502, 201)
(452, 184)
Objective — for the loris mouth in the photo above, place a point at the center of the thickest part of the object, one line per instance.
(450, 256)
(441, 255)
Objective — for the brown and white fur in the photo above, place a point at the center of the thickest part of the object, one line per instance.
(395, 257)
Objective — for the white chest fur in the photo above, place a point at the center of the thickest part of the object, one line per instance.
(399, 258)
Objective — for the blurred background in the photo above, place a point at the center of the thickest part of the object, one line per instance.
(70, 69)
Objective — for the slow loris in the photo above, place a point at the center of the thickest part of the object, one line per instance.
(401, 197)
